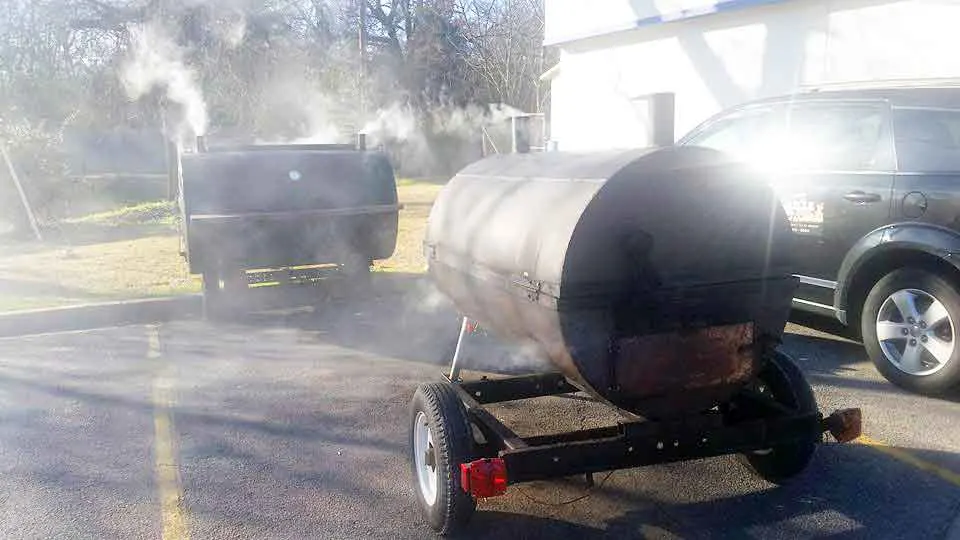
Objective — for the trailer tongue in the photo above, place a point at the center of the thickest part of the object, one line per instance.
(657, 281)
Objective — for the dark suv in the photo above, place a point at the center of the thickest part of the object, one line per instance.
(870, 179)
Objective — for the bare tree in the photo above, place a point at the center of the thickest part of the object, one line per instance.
(503, 48)
(266, 68)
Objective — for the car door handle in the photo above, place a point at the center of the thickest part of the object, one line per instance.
(862, 197)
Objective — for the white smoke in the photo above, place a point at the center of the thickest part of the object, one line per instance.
(295, 114)
(397, 122)
(446, 137)
(231, 28)
(321, 117)
(400, 122)
(466, 120)
(156, 62)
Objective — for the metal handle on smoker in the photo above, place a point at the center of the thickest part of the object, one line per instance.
(861, 197)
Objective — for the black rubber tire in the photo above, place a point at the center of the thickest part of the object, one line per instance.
(224, 303)
(356, 265)
(453, 438)
(358, 273)
(235, 283)
(786, 383)
(213, 307)
(912, 278)
(357, 276)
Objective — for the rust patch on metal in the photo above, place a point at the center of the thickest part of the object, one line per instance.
(658, 364)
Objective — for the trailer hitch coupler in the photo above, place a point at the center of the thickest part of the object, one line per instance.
(844, 424)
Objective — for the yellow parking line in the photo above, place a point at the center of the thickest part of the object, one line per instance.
(906, 457)
(166, 463)
(153, 342)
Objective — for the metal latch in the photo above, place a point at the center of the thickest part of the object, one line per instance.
(533, 287)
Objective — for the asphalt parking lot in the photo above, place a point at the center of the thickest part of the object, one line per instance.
(294, 425)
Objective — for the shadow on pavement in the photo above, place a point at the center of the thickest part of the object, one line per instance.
(403, 316)
(830, 354)
(841, 496)
(850, 491)
(271, 444)
(829, 345)
(822, 323)
(398, 315)
(495, 524)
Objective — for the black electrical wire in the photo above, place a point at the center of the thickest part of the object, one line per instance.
(579, 404)
(588, 493)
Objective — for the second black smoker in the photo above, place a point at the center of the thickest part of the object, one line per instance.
(287, 211)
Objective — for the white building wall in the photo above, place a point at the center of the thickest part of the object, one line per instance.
(716, 61)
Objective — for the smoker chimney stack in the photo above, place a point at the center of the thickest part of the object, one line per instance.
(521, 134)
(662, 115)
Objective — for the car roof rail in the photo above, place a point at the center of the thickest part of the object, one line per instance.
(924, 82)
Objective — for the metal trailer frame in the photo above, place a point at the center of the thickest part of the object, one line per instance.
(634, 441)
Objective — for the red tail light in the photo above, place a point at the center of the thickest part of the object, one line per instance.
(484, 477)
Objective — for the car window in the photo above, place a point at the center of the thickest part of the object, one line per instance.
(739, 132)
(838, 137)
(927, 139)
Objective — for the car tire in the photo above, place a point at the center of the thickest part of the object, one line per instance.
(909, 350)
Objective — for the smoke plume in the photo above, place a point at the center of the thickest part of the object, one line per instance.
(396, 122)
(320, 114)
(156, 62)
(401, 123)
(439, 141)
(230, 28)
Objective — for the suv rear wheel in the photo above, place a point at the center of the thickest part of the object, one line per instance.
(909, 325)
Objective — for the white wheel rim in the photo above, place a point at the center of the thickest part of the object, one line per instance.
(425, 459)
(915, 331)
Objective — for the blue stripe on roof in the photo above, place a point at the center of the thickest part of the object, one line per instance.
(720, 7)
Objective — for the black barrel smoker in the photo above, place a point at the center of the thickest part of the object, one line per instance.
(656, 281)
(284, 213)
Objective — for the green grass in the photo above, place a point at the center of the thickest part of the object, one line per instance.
(58, 275)
(162, 213)
(133, 252)
(416, 197)
(431, 180)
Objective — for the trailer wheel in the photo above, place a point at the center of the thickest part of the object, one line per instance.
(223, 302)
(212, 296)
(357, 275)
(440, 440)
(783, 380)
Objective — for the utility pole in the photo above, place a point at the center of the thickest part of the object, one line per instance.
(361, 79)
(28, 211)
